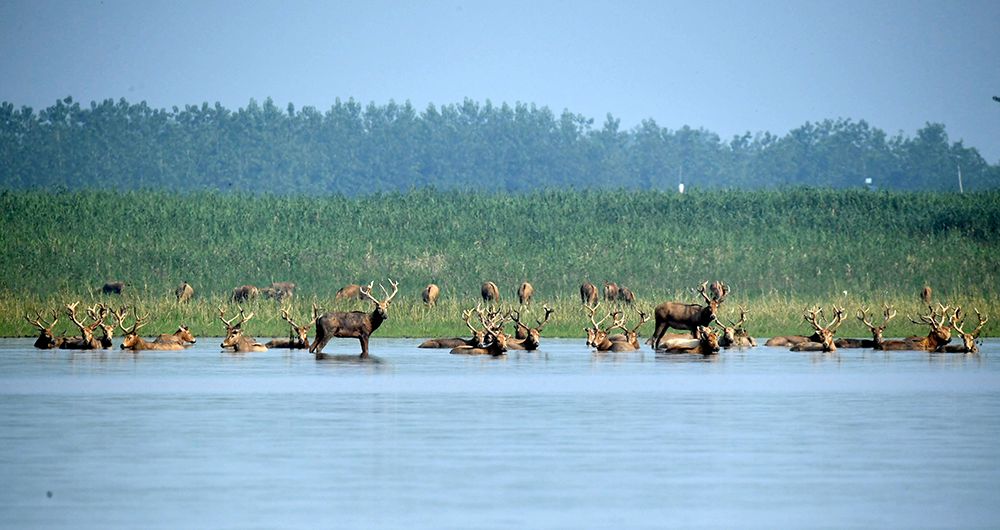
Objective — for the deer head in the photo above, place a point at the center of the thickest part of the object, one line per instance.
(866, 317)
(940, 333)
(968, 339)
(825, 333)
(131, 334)
(300, 332)
(381, 307)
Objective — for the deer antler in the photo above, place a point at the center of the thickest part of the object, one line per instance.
(643, 318)
(811, 315)
(71, 311)
(467, 316)
(957, 322)
(593, 312)
(139, 322)
(838, 319)
(701, 291)
(222, 317)
(395, 289)
(548, 313)
(37, 322)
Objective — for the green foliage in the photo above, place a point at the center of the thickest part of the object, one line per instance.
(778, 250)
(352, 149)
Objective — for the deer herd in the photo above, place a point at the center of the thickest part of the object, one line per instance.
(699, 328)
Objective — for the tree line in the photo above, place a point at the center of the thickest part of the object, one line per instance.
(353, 149)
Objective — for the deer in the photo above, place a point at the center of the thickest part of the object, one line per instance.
(355, 324)
(99, 313)
(431, 294)
(601, 338)
(298, 335)
(235, 338)
(184, 292)
(610, 291)
(588, 293)
(132, 340)
(866, 317)
(182, 336)
(86, 340)
(707, 343)
(490, 292)
(478, 339)
(625, 295)
(245, 293)
(735, 334)
(527, 338)
(630, 342)
(279, 291)
(349, 292)
(688, 316)
(495, 341)
(525, 292)
(968, 338)
(46, 340)
(824, 333)
(925, 295)
(935, 341)
(113, 287)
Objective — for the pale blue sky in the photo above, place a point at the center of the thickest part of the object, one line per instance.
(729, 67)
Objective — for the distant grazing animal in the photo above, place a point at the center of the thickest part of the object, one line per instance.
(184, 292)
(356, 324)
(692, 317)
(245, 293)
(925, 295)
(430, 294)
(588, 293)
(610, 291)
(525, 292)
(349, 291)
(113, 287)
(626, 295)
(490, 292)
(279, 291)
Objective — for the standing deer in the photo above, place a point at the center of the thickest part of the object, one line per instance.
(968, 339)
(113, 287)
(298, 335)
(134, 342)
(46, 340)
(688, 316)
(610, 291)
(430, 294)
(825, 333)
(245, 293)
(354, 324)
(490, 292)
(184, 292)
(525, 292)
(348, 292)
(625, 295)
(588, 293)
(925, 295)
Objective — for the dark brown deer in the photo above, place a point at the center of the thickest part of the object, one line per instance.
(281, 291)
(866, 317)
(824, 333)
(490, 292)
(527, 338)
(184, 292)
(298, 338)
(936, 339)
(735, 335)
(245, 293)
(925, 295)
(625, 295)
(478, 339)
(113, 287)
(678, 315)
(525, 292)
(235, 338)
(707, 343)
(354, 324)
(99, 314)
(968, 339)
(431, 294)
(86, 340)
(132, 340)
(588, 294)
(46, 340)
(610, 291)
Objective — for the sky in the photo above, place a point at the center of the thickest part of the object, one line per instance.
(728, 67)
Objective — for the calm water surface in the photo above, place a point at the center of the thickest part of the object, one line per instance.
(560, 438)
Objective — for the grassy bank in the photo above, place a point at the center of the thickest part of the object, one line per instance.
(779, 251)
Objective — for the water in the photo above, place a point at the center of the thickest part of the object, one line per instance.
(563, 438)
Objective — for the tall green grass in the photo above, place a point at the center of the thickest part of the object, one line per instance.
(779, 251)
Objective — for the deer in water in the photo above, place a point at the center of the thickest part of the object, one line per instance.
(182, 336)
(968, 339)
(298, 335)
(46, 340)
(490, 292)
(525, 292)
(235, 338)
(431, 294)
(707, 343)
(132, 340)
(588, 293)
(354, 324)
(184, 292)
(495, 340)
(688, 316)
(936, 339)
(824, 333)
(478, 339)
(735, 334)
(630, 337)
(866, 318)
(527, 338)
(86, 340)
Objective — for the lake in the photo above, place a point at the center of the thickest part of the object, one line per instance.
(560, 438)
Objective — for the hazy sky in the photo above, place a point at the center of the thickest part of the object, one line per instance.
(729, 67)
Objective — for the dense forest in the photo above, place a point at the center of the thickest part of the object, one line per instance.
(353, 149)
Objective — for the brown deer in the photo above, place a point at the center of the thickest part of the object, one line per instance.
(611, 291)
(936, 339)
(521, 330)
(968, 339)
(184, 292)
(431, 294)
(824, 333)
(235, 338)
(601, 338)
(588, 293)
(46, 340)
(925, 295)
(350, 291)
(298, 338)
(595, 334)
(707, 343)
(280, 291)
(478, 339)
(527, 338)
(113, 287)
(625, 295)
(630, 341)
(182, 336)
(495, 341)
(735, 334)
(86, 340)
(245, 293)
(490, 292)
(354, 324)
(99, 313)
(525, 292)
(688, 316)
(866, 317)
(132, 340)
